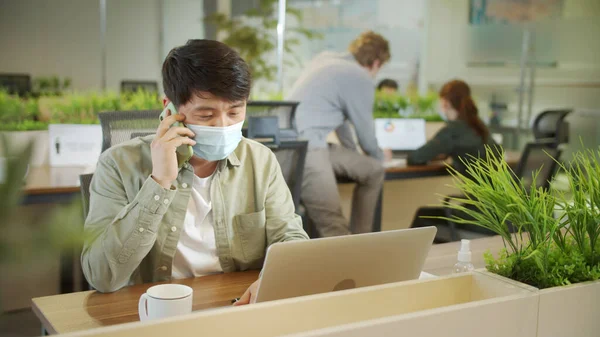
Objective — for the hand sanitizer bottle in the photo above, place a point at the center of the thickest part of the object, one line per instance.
(464, 264)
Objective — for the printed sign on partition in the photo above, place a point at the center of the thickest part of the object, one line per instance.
(74, 144)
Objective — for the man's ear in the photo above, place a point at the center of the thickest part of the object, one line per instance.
(374, 69)
(166, 102)
(376, 64)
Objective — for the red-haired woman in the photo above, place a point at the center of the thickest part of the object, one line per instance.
(463, 136)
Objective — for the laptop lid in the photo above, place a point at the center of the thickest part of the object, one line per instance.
(300, 268)
(400, 134)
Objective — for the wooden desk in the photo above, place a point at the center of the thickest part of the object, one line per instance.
(435, 168)
(65, 180)
(52, 184)
(90, 309)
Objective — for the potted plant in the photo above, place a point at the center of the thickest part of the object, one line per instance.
(140, 100)
(50, 86)
(558, 255)
(251, 35)
(20, 121)
(30, 238)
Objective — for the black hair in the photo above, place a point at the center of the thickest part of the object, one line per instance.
(205, 66)
(387, 83)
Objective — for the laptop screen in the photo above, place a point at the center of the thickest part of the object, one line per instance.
(400, 134)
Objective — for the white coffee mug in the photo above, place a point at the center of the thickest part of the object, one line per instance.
(165, 300)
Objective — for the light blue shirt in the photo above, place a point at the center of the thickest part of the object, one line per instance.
(335, 89)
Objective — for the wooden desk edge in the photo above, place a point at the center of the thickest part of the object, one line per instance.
(50, 190)
(46, 325)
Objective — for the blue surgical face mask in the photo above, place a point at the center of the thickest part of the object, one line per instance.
(216, 143)
(442, 114)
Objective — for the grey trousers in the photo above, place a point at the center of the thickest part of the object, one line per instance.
(320, 195)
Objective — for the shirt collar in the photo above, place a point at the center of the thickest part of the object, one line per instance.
(233, 160)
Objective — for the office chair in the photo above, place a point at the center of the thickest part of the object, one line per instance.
(534, 157)
(291, 156)
(16, 84)
(284, 110)
(84, 184)
(551, 125)
(120, 126)
(133, 86)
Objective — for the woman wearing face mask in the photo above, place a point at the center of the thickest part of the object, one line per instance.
(463, 136)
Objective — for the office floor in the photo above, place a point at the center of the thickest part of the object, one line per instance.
(21, 323)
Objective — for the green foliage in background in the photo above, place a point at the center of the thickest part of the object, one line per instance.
(83, 108)
(141, 100)
(541, 250)
(30, 235)
(23, 114)
(18, 114)
(389, 105)
(253, 35)
(51, 86)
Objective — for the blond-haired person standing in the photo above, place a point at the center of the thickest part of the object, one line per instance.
(334, 91)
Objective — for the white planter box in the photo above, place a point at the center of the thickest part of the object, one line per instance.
(40, 153)
(572, 311)
(477, 304)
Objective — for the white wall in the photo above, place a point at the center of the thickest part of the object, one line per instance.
(182, 20)
(133, 46)
(62, 37)
(44, 38)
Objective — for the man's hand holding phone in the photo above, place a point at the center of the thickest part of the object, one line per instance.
(164, 146)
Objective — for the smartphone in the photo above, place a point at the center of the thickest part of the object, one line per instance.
(184, 152)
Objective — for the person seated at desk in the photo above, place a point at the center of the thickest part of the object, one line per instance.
(464, 135)
(152, 219)
(335, 91)
(388, 86)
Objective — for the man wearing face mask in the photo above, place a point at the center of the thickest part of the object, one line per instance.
(155, 218)
(337, 90)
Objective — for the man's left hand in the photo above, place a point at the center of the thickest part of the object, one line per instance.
(250, 294)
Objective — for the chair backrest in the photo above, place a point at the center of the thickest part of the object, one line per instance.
(84, 184)
(551, 125)
(538, 155)
(291, 156)
(19, 84)
(284, 110)
(121, 126)
(133, 86)
(264, 129)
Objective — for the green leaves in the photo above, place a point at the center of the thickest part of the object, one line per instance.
(542, 250)
(389, 105)
(18, 114)
(253, 36)
(50, 86)
(26, 236)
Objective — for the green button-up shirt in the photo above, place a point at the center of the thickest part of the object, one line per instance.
(133, 224)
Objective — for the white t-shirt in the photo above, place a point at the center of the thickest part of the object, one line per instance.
(196, 253)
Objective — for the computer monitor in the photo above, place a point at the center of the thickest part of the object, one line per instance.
(400, 134)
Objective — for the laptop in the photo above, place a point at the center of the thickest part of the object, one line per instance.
(400, 134)
(300, 268)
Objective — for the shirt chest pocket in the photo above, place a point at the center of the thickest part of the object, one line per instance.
(250, 229)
